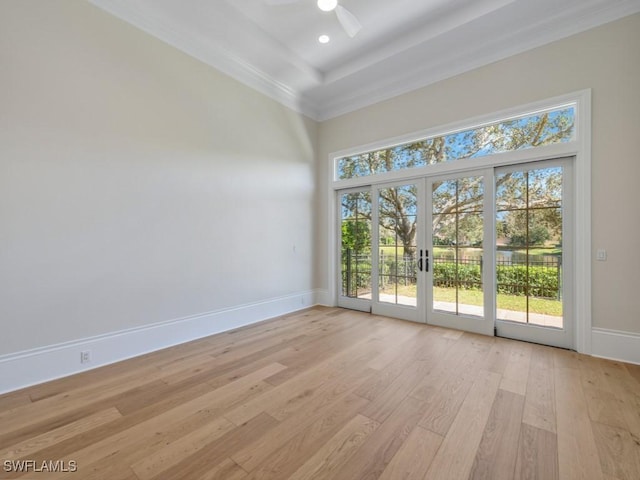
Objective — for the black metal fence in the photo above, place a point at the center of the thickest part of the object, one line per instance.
(539, 276)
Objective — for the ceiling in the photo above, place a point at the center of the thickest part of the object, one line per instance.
(403, 45)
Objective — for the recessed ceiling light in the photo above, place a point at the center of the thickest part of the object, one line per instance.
(324, 39)
(327, 5)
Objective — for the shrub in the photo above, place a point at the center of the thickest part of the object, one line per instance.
(512, 279)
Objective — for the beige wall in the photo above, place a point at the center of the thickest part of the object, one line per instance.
(605, 59)
(137, 185)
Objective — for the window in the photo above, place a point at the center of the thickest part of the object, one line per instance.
(356, 244)
(547, 127)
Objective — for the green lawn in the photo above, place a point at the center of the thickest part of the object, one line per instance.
(536, 251)
(390, 251)
(506, 302)
(475, 297)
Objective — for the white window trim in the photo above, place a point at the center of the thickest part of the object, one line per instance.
(580, 147)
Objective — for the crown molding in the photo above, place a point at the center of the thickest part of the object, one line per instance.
(478, 55)
(325, 95)
(214, 55)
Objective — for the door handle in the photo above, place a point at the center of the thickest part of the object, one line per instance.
(420, 261)
(426, 261)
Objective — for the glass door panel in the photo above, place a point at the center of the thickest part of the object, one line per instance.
(397, 242)
(458, 230)
(457, 276)
(475, 251)
(531, 205)
(355, 249)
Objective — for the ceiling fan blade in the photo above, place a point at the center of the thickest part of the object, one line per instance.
(348, 21)
(280, 2)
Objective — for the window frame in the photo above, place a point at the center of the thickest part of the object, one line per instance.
(445, 134)
(579, 147)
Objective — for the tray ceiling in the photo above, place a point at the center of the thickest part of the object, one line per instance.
(403, 45)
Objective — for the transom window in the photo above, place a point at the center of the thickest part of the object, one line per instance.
(555, 125)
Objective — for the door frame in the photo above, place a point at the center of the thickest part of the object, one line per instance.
(488, 324)
(404, 312)
(484, 325)
(360, 304)
(579, 147)
(564, 338)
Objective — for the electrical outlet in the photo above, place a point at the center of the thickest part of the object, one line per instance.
(85, 356)
(601, 255)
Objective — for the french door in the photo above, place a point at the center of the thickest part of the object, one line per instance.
(458, 251)
(380, 228)
(398, 283)
(486, 251)
(534, 252)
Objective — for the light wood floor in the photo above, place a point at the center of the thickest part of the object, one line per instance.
(329, 393)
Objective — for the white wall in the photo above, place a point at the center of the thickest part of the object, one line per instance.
(605, 59)
(138, 185)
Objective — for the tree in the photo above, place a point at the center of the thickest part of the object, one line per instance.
(529, 206)
(397, 215)
(356, 235)
(398, 204)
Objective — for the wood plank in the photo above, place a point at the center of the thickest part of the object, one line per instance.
(453, 334)
(396, 357)
(496, 457)
(165, 413)
(634, 371)
(57, 406)
(104, 470)
(537, 454)
(605, 407)
(539, 406)
(449, 381)
(290, 456)
(35, 444)
(400, 340)
(337, 450)
(591, 373)
(227, 470)
(124, 449)
(577, 453)
(175, 452)
(619, 452)
(628, 392)
(413, 459)
(16, 399)
(498, 357)
(444, 405)
(565, 358)
(458, 450)
(420, 357)
(177, 397)
(303, 386)
(615, 369)
(446, 387)
(463, 357)
(385, 404)
(324, 345)
(216, 452)
(256, 452)
(375, 454)
(516, 372)
(149, 435)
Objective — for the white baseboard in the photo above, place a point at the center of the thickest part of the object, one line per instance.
(26, 368)
(615, 345)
